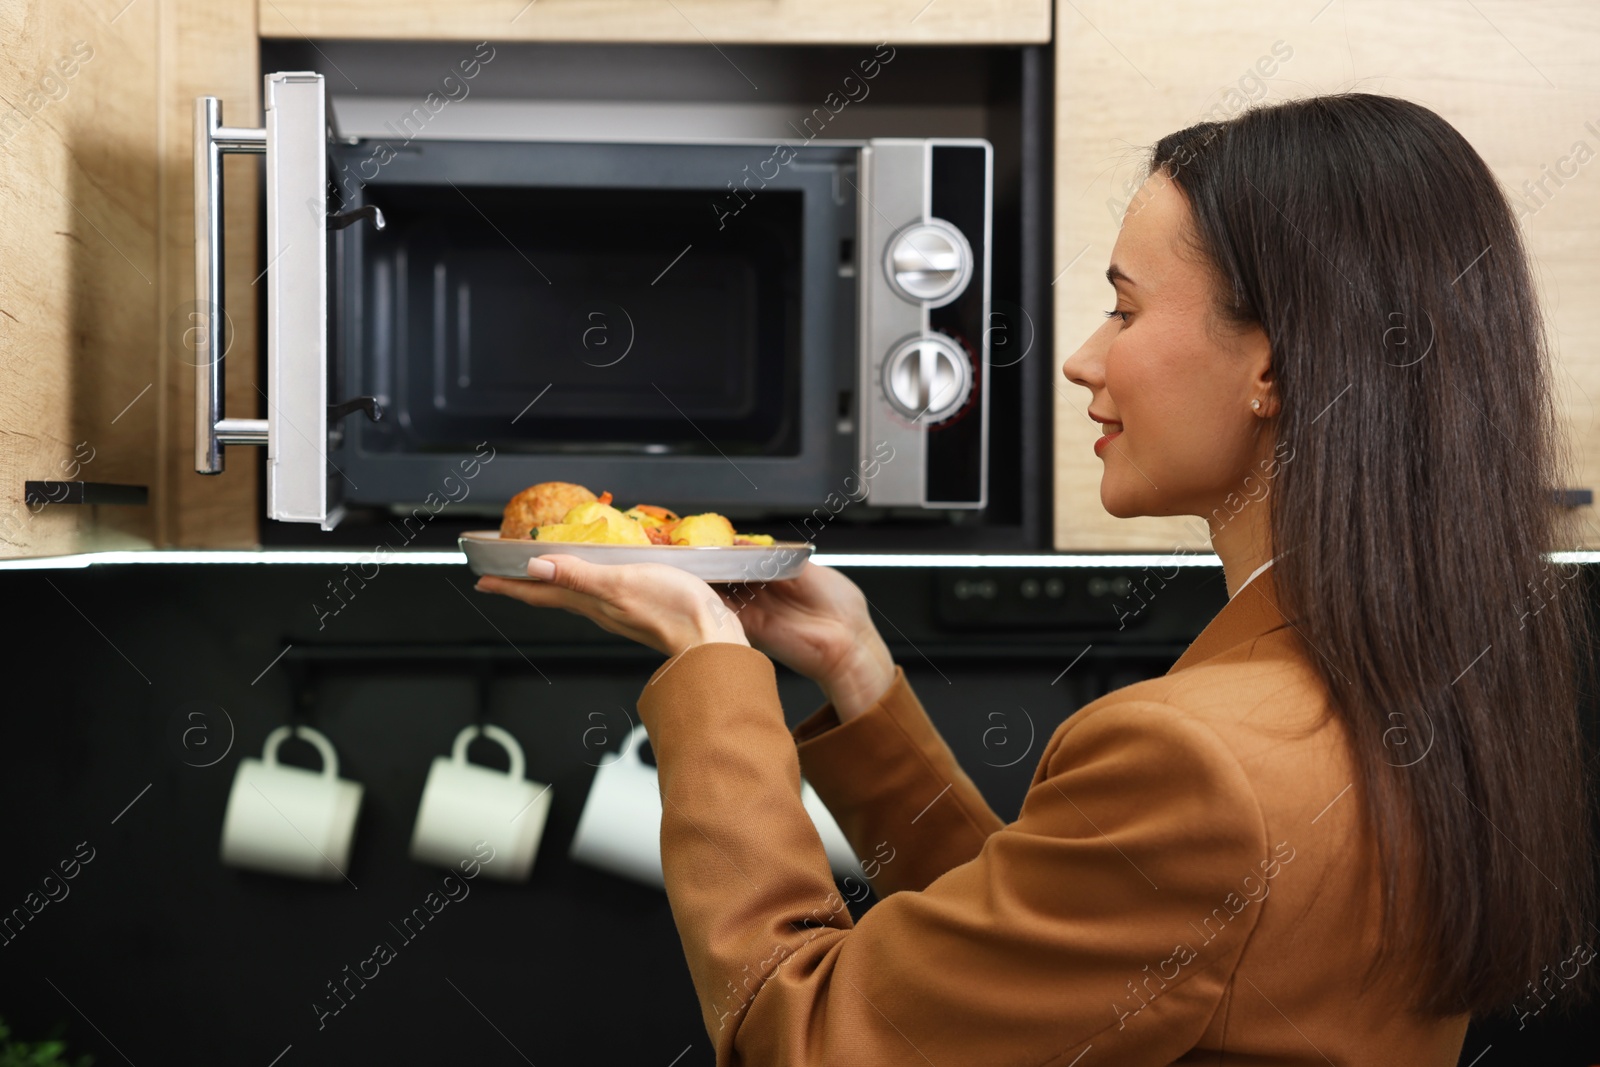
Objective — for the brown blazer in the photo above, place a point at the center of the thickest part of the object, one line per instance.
(1187, 880)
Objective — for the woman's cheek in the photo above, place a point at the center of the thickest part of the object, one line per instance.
(1130, 460)
(1129, 392)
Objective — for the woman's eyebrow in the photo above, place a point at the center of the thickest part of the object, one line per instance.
(1114, 273)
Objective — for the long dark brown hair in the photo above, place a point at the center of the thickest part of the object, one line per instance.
(1374, 247)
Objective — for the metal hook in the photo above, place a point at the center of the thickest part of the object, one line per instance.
(367, 404)
(302, 691)
(483, 679)
(338, 220)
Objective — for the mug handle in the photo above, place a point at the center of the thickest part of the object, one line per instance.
(493, 733)
(330, 760)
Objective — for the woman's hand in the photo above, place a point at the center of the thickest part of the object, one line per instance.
(664, 608)
(818, 625)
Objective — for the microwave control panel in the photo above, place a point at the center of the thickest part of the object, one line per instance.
(924, 217)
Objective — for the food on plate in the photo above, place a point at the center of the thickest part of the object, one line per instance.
(594, 533)
(542, 505)
(564, 511)
(657, 522)
(616, 528)
(707, 529)
(650, 515)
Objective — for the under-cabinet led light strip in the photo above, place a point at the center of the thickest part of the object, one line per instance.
(445, 557)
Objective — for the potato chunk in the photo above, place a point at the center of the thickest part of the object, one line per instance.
(707, 529)
(593, 532)
(620, 530)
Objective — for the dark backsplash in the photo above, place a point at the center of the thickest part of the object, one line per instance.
(161, 952)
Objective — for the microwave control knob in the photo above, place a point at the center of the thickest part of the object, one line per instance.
(929, 262)
(927, 378)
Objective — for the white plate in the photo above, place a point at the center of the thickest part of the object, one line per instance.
(488, 554)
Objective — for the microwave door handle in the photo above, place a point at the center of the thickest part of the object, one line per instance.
(209, 319)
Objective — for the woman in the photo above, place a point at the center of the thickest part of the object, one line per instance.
(1350, 816)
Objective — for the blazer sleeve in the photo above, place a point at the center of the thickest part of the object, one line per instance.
(895, 789)
(1101, 927)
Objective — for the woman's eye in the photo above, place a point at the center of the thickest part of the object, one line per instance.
(1119, 314)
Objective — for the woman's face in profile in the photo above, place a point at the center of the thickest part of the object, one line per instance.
(1176, 382)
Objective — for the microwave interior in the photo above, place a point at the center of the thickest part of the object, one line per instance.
(595, 302)
(476, 302)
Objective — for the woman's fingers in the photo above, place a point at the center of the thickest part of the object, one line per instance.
(539, 594)
(570, 583)
(663, 607)
(570, 572)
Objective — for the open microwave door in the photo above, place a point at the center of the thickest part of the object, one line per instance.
(303, 483)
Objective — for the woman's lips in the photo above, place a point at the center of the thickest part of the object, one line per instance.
(1107, 439)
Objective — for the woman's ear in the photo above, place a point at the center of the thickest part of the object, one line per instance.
(1264, 380)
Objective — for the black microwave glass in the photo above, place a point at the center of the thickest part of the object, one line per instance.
(647, 330)
(612, 314)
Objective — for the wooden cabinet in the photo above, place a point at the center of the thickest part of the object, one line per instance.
(97, 235)
(96, 252)
(677, 21)
(1521, 81)
(96, 268)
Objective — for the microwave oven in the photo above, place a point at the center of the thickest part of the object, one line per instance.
(733, 325)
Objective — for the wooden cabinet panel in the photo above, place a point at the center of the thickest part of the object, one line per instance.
(78, 268)
(96, 264)
(1520, 80)
(680, 21)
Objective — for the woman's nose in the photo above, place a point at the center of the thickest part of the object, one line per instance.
(1083, 367)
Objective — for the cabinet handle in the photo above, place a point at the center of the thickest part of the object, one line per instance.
(211, 430)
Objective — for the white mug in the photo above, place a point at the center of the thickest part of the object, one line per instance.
(289, 820)
(464, 803)
(620, 828)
